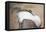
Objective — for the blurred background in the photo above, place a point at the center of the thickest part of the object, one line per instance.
(35, 8)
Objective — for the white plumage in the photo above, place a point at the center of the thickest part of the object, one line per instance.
(27, 15)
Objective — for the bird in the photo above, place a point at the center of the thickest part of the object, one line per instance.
(30, 16)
